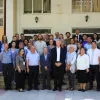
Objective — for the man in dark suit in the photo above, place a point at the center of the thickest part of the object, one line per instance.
(58, 61)
(77, 33)
(45, 62)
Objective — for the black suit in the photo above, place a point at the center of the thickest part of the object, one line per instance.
(58, 71)
(79, 37)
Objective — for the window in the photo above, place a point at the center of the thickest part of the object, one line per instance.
(37, 6)
(27, 6)
(85, 5)
(1, 12)
(37, 31)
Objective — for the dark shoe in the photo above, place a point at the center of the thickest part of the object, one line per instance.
(83, 90)
(55, 89)
(60, 90)
(98, 89)
(36, 88)
(49, 88)
(79, 89)
(90, 89)
(6, 89)
(43, 88)
(10, 89)
(29, 89)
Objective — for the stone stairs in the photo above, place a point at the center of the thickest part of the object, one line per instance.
(40, 81)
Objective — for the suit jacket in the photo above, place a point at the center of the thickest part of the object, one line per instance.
(54, 56)
(80, 37)
(46, 62)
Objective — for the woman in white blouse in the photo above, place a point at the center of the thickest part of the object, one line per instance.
(82, 69)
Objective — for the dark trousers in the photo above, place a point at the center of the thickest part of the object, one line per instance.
(46, 76)
(33, 73)
(71, 79)
(7, 73)
(94, 71)
(58, 76)
(20, 80)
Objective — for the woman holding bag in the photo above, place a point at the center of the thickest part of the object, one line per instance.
(82, 69)
(20, 70)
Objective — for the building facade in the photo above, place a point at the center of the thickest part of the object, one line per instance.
(50, 16)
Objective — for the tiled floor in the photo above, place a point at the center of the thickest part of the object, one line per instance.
(49, 95)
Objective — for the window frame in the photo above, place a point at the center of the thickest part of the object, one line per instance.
(81, 9)
(33, 10)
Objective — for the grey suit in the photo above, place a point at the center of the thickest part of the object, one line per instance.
(45, 61)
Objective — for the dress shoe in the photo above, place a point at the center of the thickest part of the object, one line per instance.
(36, 88)
(83, 90)
(98, 89)
(54, 89)
(60, 90)
(29, 89)
(79, 89)
(90, 89)
(49, 88)
(6, 89)
(43, 88)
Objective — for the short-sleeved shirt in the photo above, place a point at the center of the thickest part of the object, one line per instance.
(94, 56)
(20, 62)
(33, 58)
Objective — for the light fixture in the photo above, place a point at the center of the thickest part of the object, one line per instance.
(86, 18)
(36, 19)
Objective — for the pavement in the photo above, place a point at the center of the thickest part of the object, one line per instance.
(49, 95)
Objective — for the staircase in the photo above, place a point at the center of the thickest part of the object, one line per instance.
(40, 81)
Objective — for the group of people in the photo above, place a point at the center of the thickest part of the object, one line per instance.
(23, 59)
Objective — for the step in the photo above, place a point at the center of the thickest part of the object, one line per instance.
(52, 83)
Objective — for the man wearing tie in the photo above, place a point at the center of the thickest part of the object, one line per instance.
(77, 33)
(58, 60)
(45, 61)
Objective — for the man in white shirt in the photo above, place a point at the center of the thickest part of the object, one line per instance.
(40, 44)
(58, 62)
(33, 62)
(94, 60)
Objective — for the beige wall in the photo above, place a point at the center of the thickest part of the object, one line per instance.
(61, 18)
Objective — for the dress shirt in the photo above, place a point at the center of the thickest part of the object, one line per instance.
(33, 58)
(58, 54)
(39, 45)
(71, 59)
(45, 57)
(82, 62)
(6, 57)
(87, 46)
(94, 56)
(14, 54)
